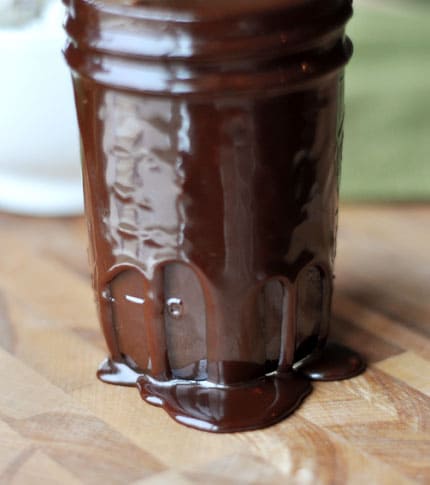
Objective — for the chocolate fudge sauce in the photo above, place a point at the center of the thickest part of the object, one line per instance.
(211, 142)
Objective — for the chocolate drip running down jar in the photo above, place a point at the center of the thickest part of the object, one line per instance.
(211, 137)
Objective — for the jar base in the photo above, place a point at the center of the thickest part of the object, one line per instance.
(209, 407)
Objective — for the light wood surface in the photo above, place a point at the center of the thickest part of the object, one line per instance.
(59, 425)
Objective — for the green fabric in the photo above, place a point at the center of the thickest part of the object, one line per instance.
(387, 125)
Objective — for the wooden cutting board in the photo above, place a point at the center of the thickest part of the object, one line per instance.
(58, 424)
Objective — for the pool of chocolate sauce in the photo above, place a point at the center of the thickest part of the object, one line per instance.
(211, 142)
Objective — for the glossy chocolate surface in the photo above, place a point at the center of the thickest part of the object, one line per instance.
(211, 148)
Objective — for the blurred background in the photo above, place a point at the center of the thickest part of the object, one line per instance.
(387, 127)
(39, 146)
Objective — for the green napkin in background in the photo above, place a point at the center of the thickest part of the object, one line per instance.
(387, 125)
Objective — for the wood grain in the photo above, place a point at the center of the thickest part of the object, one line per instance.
(59, 425)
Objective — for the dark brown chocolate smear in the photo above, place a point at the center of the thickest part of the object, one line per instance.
(252, 405)
(211, 153)
(334, 362)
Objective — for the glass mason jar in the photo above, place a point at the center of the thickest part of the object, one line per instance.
(211, 139)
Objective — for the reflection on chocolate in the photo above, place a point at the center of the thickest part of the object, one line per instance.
(211, 148)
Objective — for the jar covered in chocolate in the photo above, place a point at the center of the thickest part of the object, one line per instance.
(211, 140)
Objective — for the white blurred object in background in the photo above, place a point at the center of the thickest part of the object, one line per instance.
(39, 144)
(16, 12)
